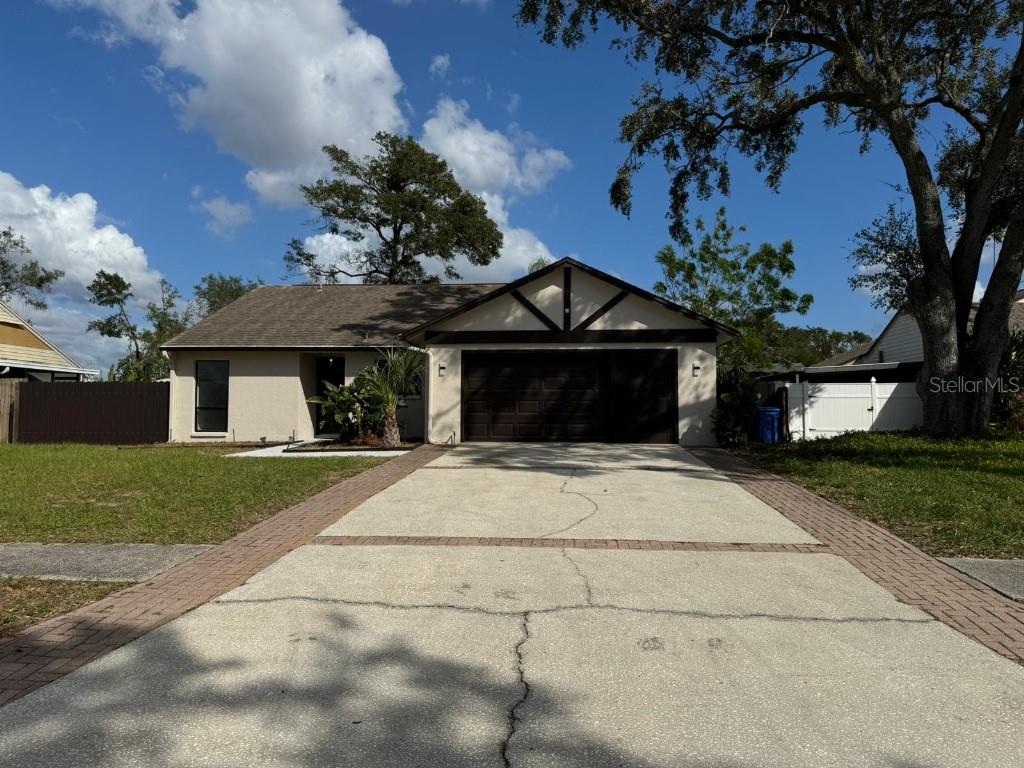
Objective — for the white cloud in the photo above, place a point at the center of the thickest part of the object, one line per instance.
(144, 19)
(225, 216)
(486, 160)
(336, 249)
(64, 233)
(271, 81)
(439, 66)
(513, 102)
(498, 167)
(68, 232)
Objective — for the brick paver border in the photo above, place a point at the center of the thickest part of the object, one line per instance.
(51, 649)
(490, 541)
(912, 576)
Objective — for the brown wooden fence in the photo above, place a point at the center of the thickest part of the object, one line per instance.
(112, 413)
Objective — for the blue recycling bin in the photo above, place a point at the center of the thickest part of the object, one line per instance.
(768, 423)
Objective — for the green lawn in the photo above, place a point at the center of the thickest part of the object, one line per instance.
(27, 601)
(159, 494)
(948, 497)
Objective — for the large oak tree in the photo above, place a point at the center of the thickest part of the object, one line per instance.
(396, 209)
(743, 76)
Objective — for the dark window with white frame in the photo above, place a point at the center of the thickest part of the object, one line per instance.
(212, 396)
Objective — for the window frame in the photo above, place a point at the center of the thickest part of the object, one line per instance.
(227, 397)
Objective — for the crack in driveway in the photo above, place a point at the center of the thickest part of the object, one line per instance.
(514, 718)
(572, 474)
(687, 614)
(582, 576)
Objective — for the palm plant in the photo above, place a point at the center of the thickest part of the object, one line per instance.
(398, 373)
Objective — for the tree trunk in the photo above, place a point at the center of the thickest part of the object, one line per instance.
(956, 386)
(392, 435)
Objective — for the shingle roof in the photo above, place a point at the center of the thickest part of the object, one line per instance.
(329, 316)
(847, 358)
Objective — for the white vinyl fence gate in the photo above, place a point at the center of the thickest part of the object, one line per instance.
(826, 410)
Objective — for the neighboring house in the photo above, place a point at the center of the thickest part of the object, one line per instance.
(900, 340)
(26, 355)
(872, 387)
(565, 353)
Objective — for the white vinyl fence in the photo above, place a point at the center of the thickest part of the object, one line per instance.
(826, 410)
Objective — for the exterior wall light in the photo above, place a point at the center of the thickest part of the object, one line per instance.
(696, 370)
(441, 370)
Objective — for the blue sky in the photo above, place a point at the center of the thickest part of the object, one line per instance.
(161, 138)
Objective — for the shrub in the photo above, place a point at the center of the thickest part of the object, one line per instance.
(735, 416)
(341, 406)
(1008, 403)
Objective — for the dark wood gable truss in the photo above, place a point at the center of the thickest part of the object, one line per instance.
(566, 333)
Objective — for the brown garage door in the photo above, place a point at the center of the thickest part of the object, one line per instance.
(621, 396)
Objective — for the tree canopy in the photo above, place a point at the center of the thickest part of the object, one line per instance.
(396, 209)
(810, 345)
(144, 361)
(23, 278)
(213, 292)
(735, 77)
(728, 281)
(163, 319)
(886, 259)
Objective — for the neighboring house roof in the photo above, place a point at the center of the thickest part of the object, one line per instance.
(864, 353)
(619, 283)
(22, 346)
(328, 316)
(846, 358)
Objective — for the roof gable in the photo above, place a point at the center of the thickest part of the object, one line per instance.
(569, 296)
(23, 346)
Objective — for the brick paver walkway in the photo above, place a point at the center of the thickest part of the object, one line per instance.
(47, 651)
(908, 573)
(493, 541)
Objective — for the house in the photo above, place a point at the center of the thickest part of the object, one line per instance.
(900, 340)
(26, 355)
(565, 353)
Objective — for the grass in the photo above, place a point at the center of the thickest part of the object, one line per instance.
(160, 494)
(950, 498)
(27, 601)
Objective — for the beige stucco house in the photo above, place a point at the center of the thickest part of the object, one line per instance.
(565, 353)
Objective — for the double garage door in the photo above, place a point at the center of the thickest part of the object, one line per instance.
(618, 396)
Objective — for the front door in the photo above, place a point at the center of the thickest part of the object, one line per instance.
(330, 369)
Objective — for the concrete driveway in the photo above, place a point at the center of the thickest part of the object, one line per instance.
(516, 656)
(570, 491)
